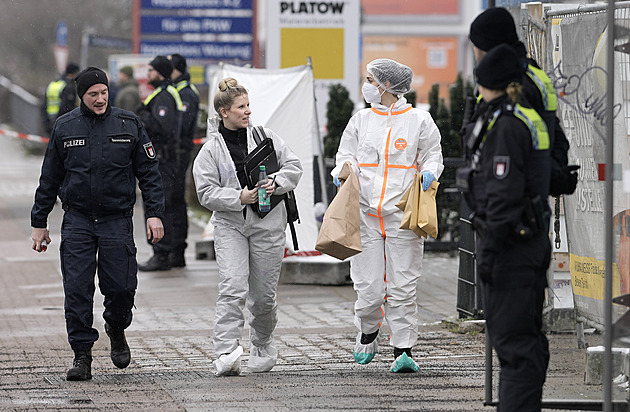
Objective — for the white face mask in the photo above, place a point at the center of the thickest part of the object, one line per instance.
(371, 94)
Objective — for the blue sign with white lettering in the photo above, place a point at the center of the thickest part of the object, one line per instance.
(199, 50)
(196, 4)
(192, 24)
(61, 34)
(220, 30)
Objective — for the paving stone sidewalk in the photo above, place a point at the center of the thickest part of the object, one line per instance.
(171, 343)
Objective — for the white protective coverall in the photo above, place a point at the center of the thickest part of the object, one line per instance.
(386, 146)
(249, 250)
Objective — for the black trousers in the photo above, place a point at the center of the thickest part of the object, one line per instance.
(107, 248)
(168, 170)
(513, 302)
(180, 214)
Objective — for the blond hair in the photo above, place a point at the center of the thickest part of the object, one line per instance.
(229, 90)
(513, 91)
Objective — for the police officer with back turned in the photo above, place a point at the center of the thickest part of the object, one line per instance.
(94, 156)
(506, 184)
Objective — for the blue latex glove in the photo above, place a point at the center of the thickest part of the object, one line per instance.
(336, 181)
(427, 178)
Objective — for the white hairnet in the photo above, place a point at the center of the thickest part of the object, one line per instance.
(398, 75)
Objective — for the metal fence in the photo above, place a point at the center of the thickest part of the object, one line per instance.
(20, 109)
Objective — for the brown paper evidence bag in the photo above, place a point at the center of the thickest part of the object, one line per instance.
(419, 209)
(340, 234)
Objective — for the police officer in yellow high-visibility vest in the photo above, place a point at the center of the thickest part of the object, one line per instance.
(506, 184)
(61, 96)
(161, 115)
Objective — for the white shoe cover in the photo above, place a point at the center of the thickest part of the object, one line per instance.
(363, 354)
(262, 359)
(229, 364)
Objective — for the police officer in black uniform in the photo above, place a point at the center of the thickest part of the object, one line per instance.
(94, 156)
(496, 26)
(506, 184)
(161, 114)
(190, 112)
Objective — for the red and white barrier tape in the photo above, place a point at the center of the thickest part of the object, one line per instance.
(288, 253)
(42, 139)
(24, 136)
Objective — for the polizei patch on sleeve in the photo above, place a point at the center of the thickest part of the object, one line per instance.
(149, 150)
(501, 166)
(73, 143)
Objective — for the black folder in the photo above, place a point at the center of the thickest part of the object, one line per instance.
(263, 154)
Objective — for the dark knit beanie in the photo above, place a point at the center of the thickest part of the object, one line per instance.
(88, 78)
(163, 66)
(179, 62)
(499, 67)
(72, 68)
(493, 27)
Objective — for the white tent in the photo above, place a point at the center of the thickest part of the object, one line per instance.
(283, 100)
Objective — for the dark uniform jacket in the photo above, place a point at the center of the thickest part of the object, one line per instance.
(534, 94)
(190, 110)
(161, 117)
(513, 169)
(68, 98)
(92, 163)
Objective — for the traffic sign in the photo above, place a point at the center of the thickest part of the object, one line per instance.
(61, 57)
(61, 34)
(110, 42)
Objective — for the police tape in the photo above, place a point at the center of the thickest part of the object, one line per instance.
(24, 136)
(42, 139)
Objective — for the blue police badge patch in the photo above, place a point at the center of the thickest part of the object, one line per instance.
(501, 166)
(149, 150)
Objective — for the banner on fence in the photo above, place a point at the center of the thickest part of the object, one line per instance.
(580, 77)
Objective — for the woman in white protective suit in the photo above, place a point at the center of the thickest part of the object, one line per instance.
(386, 145)
(249, 250)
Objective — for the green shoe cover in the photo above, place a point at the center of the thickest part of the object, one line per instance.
(363, 358)
(404, 364)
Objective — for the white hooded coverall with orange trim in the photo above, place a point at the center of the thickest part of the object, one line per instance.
(386, 146)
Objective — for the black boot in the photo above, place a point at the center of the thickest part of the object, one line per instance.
(157, 262)
(177, 259)
(81, 369)
(400, 351)
(120, 353)
(369, 338)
